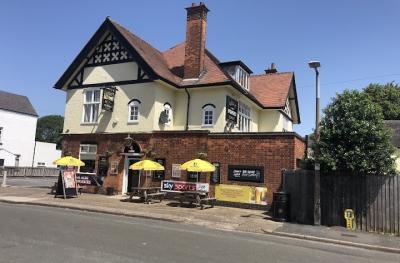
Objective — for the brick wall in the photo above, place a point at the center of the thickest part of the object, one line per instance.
(273, 151)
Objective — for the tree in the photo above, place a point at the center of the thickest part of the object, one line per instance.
(387, 96)
(353, 136)
(49, 129)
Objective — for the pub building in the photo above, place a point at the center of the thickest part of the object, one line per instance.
(126, 99)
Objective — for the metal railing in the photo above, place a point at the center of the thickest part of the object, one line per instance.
(30, 171)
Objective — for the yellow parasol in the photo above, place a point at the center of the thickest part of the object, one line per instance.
(69, 161)
(146, 165)
(198, 165)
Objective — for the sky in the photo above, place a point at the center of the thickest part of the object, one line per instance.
(356, 41)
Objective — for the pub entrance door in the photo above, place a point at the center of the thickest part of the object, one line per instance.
(133, 177)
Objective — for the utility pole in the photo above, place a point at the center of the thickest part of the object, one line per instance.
(317, 178)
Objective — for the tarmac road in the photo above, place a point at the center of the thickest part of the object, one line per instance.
(42, 234)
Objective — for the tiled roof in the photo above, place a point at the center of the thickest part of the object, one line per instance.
(271, 90)
(16, 103)
(395, 126)
(268, 90)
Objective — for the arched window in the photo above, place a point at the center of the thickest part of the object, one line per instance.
(208, 115)
(133, 115)
(168, 112)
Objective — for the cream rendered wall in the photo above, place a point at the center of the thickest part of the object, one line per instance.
(164, 94)
(202, 96)
(116, 121)
(110, 73)
(273, 121)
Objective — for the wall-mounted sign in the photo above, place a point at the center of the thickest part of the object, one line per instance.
(176, 171)
(87, 179)
(114, 168)
(231, 109)
(181, 186)
(108, 98)
(159, 175)
(216, 175)
(246, 173)
(241, 194)
(103, 165)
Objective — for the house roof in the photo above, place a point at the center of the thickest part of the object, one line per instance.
(267, 91)
(395, 126)
(16, 103)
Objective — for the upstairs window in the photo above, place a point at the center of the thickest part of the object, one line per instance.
(1, 131)
(133, 111)
(91, 105)
(208, 115)
(244, 117)
(242, 78)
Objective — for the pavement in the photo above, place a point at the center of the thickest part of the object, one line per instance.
(221, 218)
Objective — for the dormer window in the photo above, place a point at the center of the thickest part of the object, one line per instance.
(239, 72)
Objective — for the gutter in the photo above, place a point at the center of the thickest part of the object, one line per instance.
(187, 110)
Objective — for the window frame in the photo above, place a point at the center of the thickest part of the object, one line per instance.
(1, 136)
(243, 109)
(168, 107)
(88, 152)
(135, 103)
(208, 108)
(91, 103)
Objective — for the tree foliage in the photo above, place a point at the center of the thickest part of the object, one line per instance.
(353, 136)
(49, 129)
(387, 96)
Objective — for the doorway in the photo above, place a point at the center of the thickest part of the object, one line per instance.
(133, 177)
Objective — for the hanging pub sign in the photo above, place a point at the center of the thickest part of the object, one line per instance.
(231, 109)
(108, 98)
(159, 175)
(246, 173)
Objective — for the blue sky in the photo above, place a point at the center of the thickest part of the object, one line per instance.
(357, 42)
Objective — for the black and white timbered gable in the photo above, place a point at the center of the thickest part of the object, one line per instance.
(107, 59)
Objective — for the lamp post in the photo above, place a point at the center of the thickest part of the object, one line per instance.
(317, 180)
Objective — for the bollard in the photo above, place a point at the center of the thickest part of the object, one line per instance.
(4, 184)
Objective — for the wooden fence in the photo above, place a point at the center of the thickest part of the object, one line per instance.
(374, 199)
(30, 171)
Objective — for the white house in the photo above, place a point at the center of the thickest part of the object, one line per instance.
(18, 121)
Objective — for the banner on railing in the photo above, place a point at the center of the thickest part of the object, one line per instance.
(181, 186)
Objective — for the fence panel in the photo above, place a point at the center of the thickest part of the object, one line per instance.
(31, 171)
(374, 199)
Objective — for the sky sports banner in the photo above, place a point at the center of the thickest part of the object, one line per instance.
(181, 186)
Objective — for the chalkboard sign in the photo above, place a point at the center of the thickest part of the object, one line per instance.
(159, 175)
(246, 173)
(231, 109)
(66, 184)
(216, 175)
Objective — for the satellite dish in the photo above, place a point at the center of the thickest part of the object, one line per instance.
(163, 118)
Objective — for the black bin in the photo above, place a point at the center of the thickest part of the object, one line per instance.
(281, 206)
(110, 190)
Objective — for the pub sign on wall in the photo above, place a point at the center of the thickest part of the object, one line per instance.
(246, 173)
(231, 109)
(108, 98)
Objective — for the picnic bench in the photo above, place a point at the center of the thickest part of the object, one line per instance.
(199, 198)
(146, 194)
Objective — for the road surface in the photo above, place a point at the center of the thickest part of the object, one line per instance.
(41, 234)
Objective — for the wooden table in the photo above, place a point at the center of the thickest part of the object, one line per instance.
(200, 198)
(146, 193)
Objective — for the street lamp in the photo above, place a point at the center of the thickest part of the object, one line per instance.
(317, 180)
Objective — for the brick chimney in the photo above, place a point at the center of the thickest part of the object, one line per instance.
(195, 40)
(271, 70)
